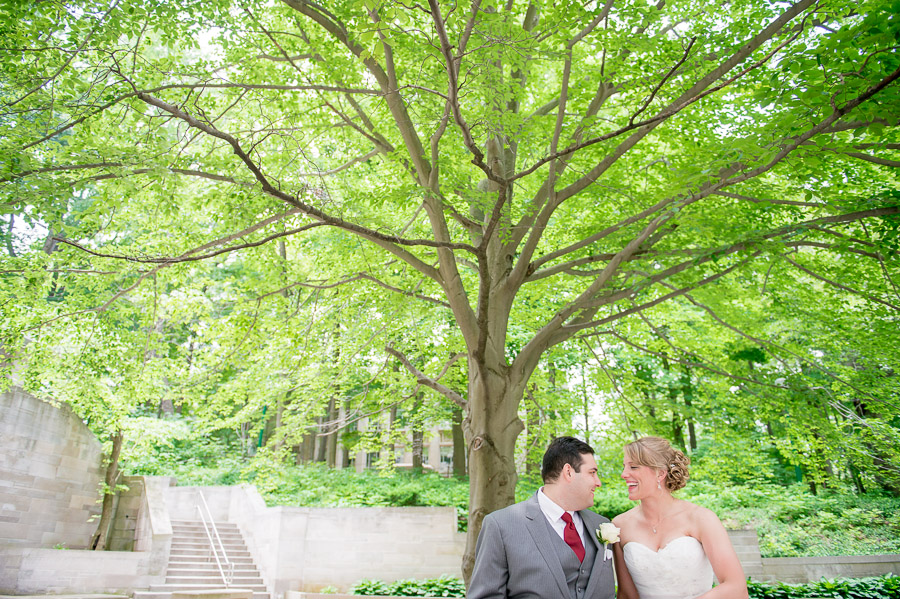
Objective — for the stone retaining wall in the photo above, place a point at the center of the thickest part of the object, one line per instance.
(32, 571)
(804, 569)
(50, 474)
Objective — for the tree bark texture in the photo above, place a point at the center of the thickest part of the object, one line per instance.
(101, 537)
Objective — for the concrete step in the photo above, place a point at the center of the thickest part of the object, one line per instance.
(202, 555)
(199, 586)
(205, 545)
(187, 561)
(168, 594)
(204, 541)
(200, 531)
(182, 542)
(225, 539)
(215, 579)
(178, 525)
(236, 540)
(206, 569)
(184, 573)
(184, 524)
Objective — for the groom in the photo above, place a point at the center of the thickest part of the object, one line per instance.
(546, 547)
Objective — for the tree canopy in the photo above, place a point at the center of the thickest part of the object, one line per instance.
(695, 190)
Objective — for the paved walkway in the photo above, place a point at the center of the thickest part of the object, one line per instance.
(51, 596)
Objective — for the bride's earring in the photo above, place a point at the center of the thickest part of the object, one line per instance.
(658, 485)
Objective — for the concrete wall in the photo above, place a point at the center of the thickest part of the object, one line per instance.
(61, 571)
(35, 570)
(50, 474)
(804, 569)
(306, 549)
(127, 507)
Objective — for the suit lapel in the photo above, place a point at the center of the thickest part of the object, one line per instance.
(591, 523)
(536, 523)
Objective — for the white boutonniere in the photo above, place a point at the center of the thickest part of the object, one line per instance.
(607, 534)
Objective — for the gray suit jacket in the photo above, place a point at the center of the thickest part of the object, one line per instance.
(514, 558)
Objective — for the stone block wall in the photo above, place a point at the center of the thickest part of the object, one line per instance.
(50, 474)
(127, 512)
(803, 569)
(35, 571)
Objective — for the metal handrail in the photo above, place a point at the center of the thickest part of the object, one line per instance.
(229, 566)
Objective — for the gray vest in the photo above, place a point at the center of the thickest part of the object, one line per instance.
(577, 574)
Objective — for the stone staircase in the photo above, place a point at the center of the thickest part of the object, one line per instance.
(192, 566)
(746, 545)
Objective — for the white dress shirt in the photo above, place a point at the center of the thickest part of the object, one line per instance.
(554, 513)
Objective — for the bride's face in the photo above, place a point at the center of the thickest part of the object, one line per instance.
(641, 480)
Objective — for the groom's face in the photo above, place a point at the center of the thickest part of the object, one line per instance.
(584, 482)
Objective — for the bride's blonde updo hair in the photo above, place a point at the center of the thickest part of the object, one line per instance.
(656, 452)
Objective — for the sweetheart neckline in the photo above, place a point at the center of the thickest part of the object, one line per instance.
(667, 545)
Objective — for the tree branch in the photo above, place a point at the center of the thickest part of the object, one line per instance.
(185, 257)
(874, 159)
(846, 288)
(387, 242)
(427, 381)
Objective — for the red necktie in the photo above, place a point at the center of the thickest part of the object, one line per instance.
(570, 536)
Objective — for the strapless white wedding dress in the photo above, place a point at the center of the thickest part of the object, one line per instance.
(680, 570)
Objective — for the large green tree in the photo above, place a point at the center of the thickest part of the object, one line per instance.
(535, 170)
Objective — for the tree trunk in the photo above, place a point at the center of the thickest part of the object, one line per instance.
(585, 406)
(532, 432)
(9, 236)
(320, 440)
(673, 392)
(688, 393)
(459, 444)
(344, 455)
(331, 438)
(418, 436)
(276, 427)
(492, 427)
(308, 447)
(392, 423)
(100, 538)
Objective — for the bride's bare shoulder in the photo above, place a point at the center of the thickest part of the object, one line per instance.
(699, 514)
(625, 518)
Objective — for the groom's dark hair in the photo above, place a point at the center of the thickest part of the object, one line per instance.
(562, 451)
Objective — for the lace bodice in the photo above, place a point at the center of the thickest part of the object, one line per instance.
(680, 570)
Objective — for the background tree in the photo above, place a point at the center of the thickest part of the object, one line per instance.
(536, 171)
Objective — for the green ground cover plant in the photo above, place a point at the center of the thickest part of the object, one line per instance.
(443, 586)
(879, 587)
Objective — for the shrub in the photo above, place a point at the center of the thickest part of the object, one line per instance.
(443, 586)
(880, 587)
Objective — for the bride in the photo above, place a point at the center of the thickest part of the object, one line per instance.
(670, 548)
